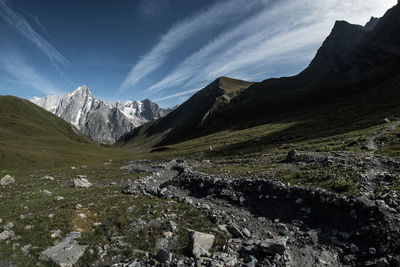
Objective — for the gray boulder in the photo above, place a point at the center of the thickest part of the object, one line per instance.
(200, 243)
(292, 156)
(163, 256)
(67, 252)
(234, 231)
(274, 246)
(7, 180)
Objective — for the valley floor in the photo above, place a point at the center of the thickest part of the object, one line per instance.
(261, 207)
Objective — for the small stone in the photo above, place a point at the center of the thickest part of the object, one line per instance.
(1, 221)
(8, 226)
(21, 217)
(314, 234)
(349, 258)
(51, 215)
(292, 156)
(82, 216)
(25, 249)
(344, 235)
(372, 250)
(78, 206)
(163, 256)
(7, 180)
(28, 227)
(385, 120)
(48, 177)
(47, 193)
(299, 201)
(131, 209)
(274, 246)
(246, 232)
(73, 168)
(353, 248)
(172, 225)
(188, 201)
(234, 231)
(58, 198)
(168, 235)
(353, 215)
(382, 262)
(6, 234)
(56, 234)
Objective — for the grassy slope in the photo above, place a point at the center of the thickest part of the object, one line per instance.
(342, 126)
(35, 143)
(182, 123)
(32, 138)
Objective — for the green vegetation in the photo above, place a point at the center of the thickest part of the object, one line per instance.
(32, 139)
(35, 143)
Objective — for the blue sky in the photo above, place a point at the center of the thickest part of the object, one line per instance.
(164, 50)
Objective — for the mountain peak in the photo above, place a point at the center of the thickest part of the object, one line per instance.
(83, 91)
(370, 26)
(102, 121)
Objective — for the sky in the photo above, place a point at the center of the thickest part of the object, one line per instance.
(163, 50)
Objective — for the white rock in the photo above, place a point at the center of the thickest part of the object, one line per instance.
(6, 234)
(47, 193)
(58, 198)
(7, 180)
(9, 226)
(56, 234)
(25, 249)
(200, 243)
(82, 182)
(48, 177)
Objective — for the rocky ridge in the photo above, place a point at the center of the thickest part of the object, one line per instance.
(104, 122)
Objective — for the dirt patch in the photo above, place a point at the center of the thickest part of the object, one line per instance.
(83, 220)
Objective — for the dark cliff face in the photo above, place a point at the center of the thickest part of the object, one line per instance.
(352, 60)
(351, 51)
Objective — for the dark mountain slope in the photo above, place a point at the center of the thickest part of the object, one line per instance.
(351, 61)
(187, 120)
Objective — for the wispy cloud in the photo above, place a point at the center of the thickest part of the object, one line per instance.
(286, 33)
(177, 94)
(220, 13)
(17, 67)
(152, 11)
(18, 22)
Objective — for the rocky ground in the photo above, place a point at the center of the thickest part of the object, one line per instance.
(276, 224)
(177, 213)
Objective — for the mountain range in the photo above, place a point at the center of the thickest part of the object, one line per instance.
(354, 63)
(102, 121)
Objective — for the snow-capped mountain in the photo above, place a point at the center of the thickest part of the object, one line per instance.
(104, 122)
